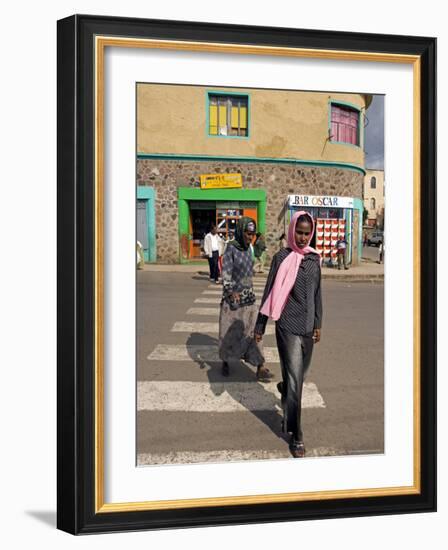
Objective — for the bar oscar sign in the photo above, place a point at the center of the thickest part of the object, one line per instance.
(220, 181)
(324, 201)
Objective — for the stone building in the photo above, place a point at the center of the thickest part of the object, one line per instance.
(209, 155)
(374, 198)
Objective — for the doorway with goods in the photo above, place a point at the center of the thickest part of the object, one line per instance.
(196, 217)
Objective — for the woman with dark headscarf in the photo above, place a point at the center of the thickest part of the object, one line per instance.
(292, 298)
(238, 311)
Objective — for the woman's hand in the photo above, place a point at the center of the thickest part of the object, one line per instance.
(316, 335)
(258, 337)
(236, 297)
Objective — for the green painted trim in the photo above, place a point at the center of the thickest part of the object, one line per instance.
(210, 158)
(145, 192)
(184, 229)
(364, 131)
(148, 193)
(194, 193)
(346, 104)
(349, 233)
(359, 205)
(207, 113)
(261, 216)
(352, 106)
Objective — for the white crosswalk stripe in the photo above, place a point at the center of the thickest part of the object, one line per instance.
(224, 455)
(217, 396)
(196, 457)
(203, 311)
(184, 352)
(208, 328)
(219, 292)
(257, 286)
(216, 300)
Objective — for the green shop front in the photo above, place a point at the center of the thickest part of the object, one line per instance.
(199, 208)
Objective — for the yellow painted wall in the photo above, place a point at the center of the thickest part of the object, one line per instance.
(282, 124)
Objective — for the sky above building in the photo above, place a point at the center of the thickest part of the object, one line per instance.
(374, 147)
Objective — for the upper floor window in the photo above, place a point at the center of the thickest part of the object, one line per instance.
(228, 115)
(344, 124)
(372, 204)
(373, 182)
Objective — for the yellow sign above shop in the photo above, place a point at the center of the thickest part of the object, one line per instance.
(220, 181)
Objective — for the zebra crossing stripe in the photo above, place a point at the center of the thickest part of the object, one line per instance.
(211, 300)
(219, 397)
(219, 293)
(208, 328)
(255, 285)
(203, 311)
(193, 352)
(196, 457)
(216, 300)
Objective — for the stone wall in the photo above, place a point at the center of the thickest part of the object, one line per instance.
(278, 180)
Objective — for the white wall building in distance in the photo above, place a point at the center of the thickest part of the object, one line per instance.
(374, 198)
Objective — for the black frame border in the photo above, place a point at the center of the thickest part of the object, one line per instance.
(76, 268)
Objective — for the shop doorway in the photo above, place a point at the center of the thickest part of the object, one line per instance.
(224, 215)
(200, 208)
(201, 221)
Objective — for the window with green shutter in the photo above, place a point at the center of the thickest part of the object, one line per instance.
(228, 115)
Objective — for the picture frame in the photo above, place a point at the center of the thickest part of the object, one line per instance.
(82, 41)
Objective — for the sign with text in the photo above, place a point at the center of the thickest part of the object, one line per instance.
(322, 201)
(220, 181)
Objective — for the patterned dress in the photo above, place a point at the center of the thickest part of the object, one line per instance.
(237, 320)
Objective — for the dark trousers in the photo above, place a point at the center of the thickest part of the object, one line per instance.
(341, 260)
(295, 357)
(213, 264)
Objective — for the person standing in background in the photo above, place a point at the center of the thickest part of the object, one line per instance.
(341, 248)
(213, 249)
(259, 253)
(282, 242)
(381, 250)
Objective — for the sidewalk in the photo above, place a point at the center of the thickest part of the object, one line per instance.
(367, 271)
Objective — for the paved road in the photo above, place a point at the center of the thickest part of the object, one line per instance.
(187, 412)
(370, 253)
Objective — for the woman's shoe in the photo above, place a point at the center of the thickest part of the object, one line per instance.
(264, 374)
(297, 448)
(225, 369)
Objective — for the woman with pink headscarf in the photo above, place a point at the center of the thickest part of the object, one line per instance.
(292, 298)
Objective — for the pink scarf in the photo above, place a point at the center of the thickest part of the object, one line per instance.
(287, 272)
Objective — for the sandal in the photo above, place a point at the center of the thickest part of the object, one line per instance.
(264, 374)
(225, 370)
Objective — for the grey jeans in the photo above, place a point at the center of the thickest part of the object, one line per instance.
(295, 357)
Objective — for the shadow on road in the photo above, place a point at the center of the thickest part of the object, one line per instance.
(239, 371)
